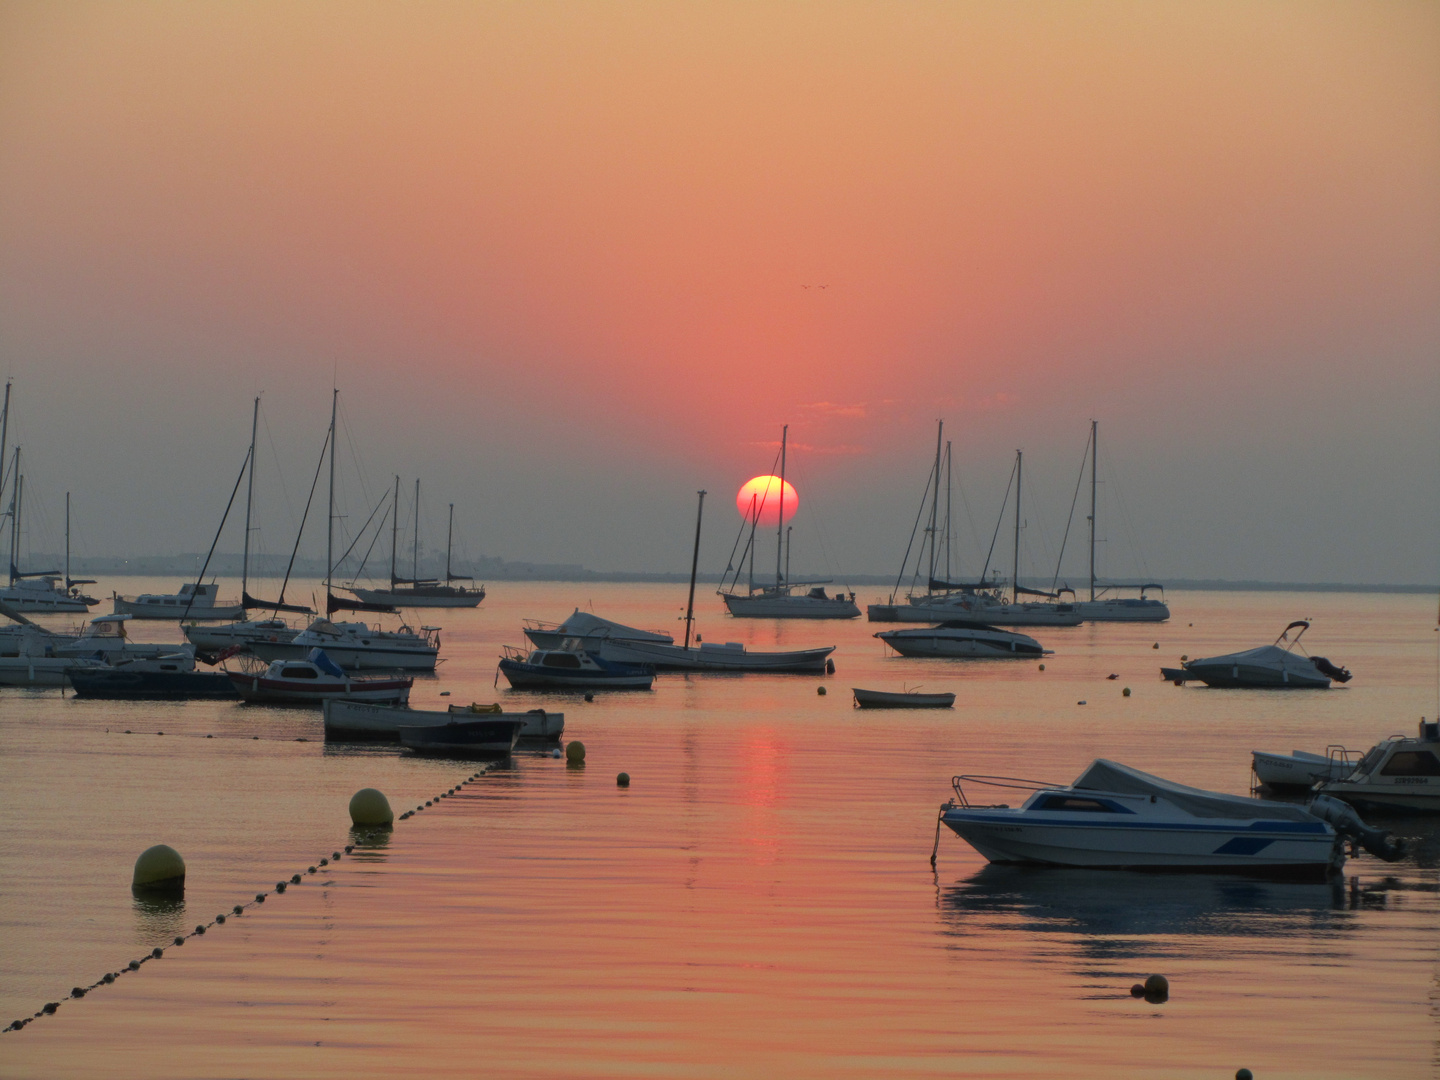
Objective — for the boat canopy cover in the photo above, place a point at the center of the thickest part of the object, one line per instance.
(1103, 775)
(584, 624)
(1264, 656)
(938, 585)
(319, 658)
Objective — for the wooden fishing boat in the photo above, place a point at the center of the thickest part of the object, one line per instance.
(483, 736)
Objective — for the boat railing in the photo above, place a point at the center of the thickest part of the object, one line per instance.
(1343, 762)
(514, 652)
(1014, 782)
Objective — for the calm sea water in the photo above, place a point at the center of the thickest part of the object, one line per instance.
(759, 902)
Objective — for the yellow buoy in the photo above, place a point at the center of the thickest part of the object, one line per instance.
(575, 752)
(623, 780)
(1157, 984)
(820, 690)
(370, 807)
(1042, 667)
(159, 869)
(1126, 691)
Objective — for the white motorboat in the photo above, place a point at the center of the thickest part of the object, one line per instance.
(1399, 774)
(213, 638)
(416, 591)
(1117, 817)
(1301, 770)
(358, 718)
(589, 630)
(962, 640)
(104, 636)
(356, 646)
(907, 699)
(317, 678)
(194, 601)
(1269, 667)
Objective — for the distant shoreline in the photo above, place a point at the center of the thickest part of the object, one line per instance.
(494, 569)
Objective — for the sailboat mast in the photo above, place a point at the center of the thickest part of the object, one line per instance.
(249, 499)
(415, 565)
(17, 499)
(1015, 577)
(330, 513)
(394, 531)
(694, 565)
(935, 501)
(4, 434)
(1094, 457)
(949, 486)
(449, 541)
(780, 524)
(754, 523)
(67, 540)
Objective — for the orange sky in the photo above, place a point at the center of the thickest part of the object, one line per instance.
(567, 259)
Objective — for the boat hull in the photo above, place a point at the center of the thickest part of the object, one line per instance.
(214, 638)
(367, 720)
(258, 688)
(715, 658)
(436, 598)
(789, 607)
(1298, 770)
(1240, 676)
(1284, 848)
(1418, 794)
(177, 611)
(523, 676)
(1122, 610)
(350, 657)
(43, 604)
(881, 699)
(151, 685)
(917, 643)
(493, 736)
(999, 614)
(36, 672)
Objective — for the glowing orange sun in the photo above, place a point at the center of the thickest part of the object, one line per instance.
(762, 496)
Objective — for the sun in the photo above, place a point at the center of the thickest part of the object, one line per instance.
(762, 496)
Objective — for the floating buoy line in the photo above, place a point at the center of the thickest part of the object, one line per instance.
(361, 834)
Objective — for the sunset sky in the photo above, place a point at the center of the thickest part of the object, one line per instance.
(570, 262)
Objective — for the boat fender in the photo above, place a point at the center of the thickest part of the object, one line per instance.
(1347, 822)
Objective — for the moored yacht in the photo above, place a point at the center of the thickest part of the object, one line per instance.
(1399, 774)
(589, 629)
(214, 638)
(1117, 817)
(962, 639)
(1268, 667)
(42, 594)
(195, 600)
(356, 646)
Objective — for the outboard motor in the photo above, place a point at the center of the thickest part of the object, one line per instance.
(1348, 823)
(1325, 667)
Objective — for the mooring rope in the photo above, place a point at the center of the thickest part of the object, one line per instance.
(51, 1007)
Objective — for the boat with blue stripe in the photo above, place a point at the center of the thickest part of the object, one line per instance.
(1117, 817)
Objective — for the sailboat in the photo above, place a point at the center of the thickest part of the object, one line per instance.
(780, 600)
(706, 656)
(352, 645)
(35, 592)
(947, 601)
(416, 591)
(243, 631)
(1102, 608)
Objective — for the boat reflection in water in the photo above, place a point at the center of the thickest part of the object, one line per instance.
(1112, 904)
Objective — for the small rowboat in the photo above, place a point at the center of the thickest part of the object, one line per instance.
(883, 699)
